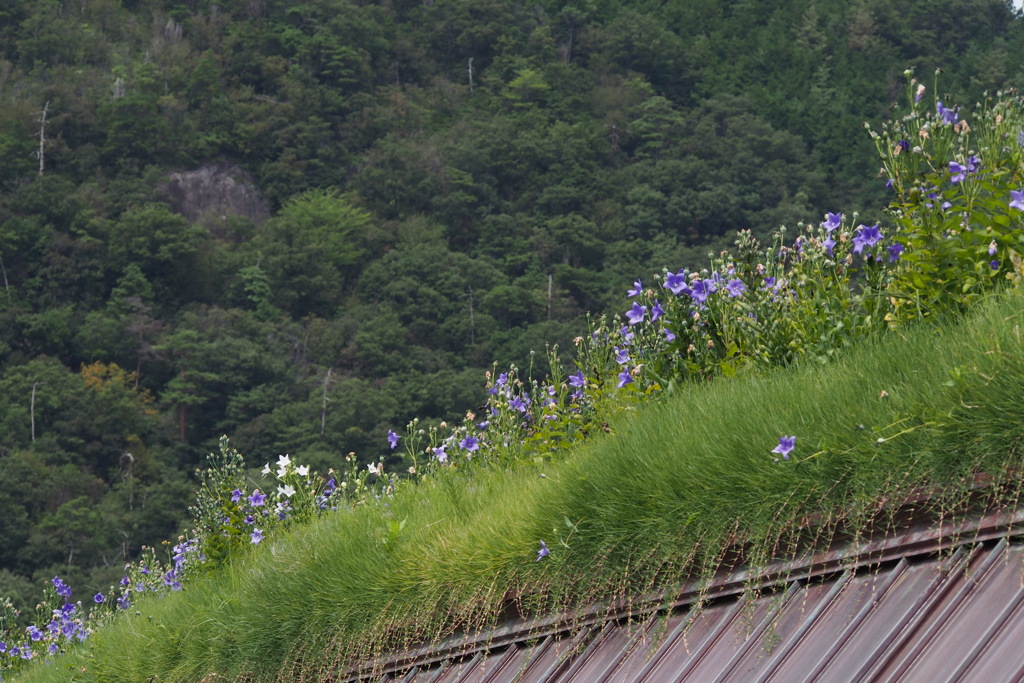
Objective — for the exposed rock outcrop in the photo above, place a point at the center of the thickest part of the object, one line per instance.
(213, 192)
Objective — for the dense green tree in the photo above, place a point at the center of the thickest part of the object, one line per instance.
(310, 252)
(165, 248)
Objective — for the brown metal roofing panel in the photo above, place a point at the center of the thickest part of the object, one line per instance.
(602, 654)
(457, 670)
(495, 661)
(872, 633)
(428, 674)
(647, 651)
(646, 643)
(937, 607)
(719, 653)
(750, 638)
(485, 664)
(961, 637)
(513, 663)
(540, 658)
(828, 632)
(782, 633)
(884, 622)
(626, 650)
(696, 634)
(580, 659)
(556, 659)
(1003, 657)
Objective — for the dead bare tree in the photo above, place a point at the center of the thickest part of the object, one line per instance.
(32, 410)
(323, 410)
(42, 137)
(7, 286)
(472, 323)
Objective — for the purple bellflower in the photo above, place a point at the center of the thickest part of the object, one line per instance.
(866, 237)
(958, 173)
(700, 291)
(1017, 199)
(543, 552)
(948, 115)
(519, 403)
(785, 447)
(656, 310)
(676, 282)
(636, 314)
(735, 287)
(621, 355)
(832, 221)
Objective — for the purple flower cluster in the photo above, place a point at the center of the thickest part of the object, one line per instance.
(67, 624)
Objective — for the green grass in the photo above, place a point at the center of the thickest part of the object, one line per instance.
(658, 500)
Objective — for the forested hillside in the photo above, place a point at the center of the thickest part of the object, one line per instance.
(302, 223)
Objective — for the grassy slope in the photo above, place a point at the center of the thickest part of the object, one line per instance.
(658, 499)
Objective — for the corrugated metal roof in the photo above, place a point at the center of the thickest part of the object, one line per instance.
(941, 602)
